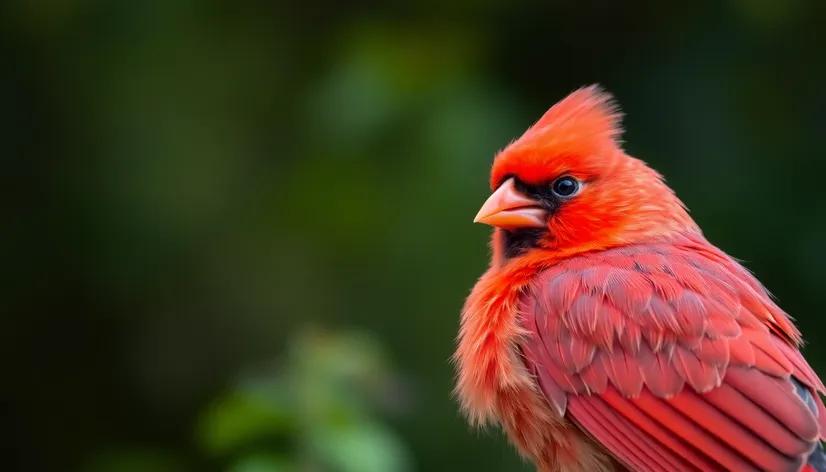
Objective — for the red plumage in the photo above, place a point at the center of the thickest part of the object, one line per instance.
(619, 338)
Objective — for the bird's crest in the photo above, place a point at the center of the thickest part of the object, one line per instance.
(589, 112)
(583, 127)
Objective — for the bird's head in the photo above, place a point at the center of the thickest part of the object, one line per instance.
(567, 185)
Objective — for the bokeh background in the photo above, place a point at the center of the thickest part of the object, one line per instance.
(237, 234)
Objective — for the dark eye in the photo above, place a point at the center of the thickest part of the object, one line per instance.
(565, 186)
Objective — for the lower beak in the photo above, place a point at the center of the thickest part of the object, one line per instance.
(508, 209)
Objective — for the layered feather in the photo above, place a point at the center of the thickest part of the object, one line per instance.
(624, 340)
(673, 358)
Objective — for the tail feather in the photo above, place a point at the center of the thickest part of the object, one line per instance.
(816, 461)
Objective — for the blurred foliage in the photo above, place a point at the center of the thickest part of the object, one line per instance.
(321, 404)
(188, 182)
(313, 413)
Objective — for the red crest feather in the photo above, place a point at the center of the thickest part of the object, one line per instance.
(583, 129)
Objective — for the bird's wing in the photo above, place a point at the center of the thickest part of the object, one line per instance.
(674, 360)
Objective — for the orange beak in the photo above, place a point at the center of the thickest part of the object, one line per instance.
(508, 209)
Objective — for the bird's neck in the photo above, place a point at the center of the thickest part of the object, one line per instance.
(539, 257)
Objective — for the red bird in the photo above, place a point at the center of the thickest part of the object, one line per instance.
(609, 335)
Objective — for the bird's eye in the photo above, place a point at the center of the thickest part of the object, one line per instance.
(565, 186)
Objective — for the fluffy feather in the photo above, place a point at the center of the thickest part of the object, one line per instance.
(625, 340)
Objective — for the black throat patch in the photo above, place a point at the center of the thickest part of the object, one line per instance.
(517, 242)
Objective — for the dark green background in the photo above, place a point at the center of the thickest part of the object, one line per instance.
(186, 184)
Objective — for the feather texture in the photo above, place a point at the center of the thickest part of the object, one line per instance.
(617, 338)
(631, 353)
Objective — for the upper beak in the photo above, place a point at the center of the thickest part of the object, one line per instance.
(508, 209)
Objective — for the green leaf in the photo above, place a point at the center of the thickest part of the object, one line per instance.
(264, 463)
(239, 418)
(362, 447)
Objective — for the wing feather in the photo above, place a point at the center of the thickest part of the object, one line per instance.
(674, 359)
(635, 448)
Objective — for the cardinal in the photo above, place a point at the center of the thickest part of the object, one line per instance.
(609, 335)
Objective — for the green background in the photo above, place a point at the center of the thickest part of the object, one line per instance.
(236, 235)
